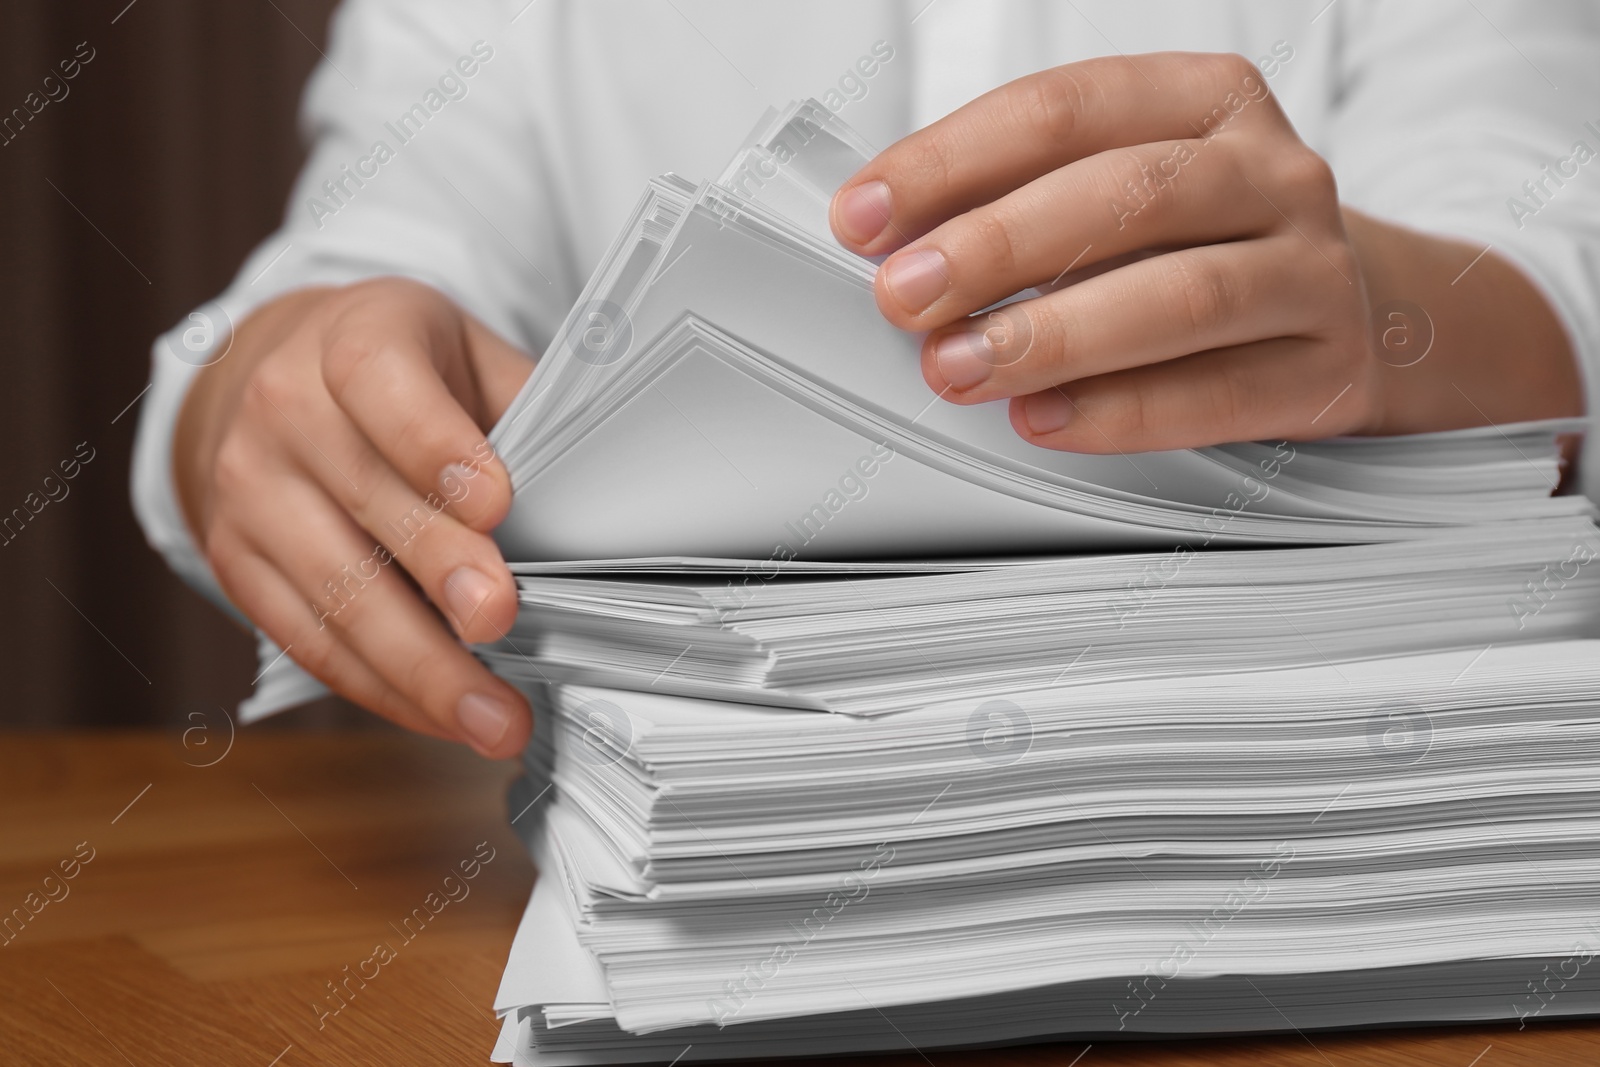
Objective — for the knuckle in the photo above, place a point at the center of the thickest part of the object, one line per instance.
(389, 703)
(1133, 415)
(1343, 258)
(1235, 67)
(344, 356)
(420, 679)
(369, 289)
(1041, 341)
(275, 383)
(316, 655)
(383, 293)
(1361, 368)
(1324, 263)
(222, 555)
(234, 470)
(928, 166)
(1143, 184)
(1049, 104)
(1207, 297)
(1232, 165)
(999, 239)
(1306, 174)
(346, 590)
(362, 473)
(1119, 407)
(428, 433)
(405, 530)
(1234, 396)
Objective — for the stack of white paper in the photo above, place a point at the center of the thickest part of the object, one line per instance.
(1310, 740)
(873, 645)
(725, 387)
(1113, 856)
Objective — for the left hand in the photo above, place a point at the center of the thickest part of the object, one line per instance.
(1206, 287)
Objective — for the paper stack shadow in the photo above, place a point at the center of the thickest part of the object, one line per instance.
(863, 724)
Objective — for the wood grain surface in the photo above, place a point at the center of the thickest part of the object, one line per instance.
(228, 886)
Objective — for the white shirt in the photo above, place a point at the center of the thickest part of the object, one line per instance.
(531, 128)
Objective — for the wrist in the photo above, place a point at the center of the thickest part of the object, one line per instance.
(1459, 336)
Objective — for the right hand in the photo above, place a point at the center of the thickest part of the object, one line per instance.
(343, 427)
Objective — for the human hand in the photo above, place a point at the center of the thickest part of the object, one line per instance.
(332, 464)
(1202, 282)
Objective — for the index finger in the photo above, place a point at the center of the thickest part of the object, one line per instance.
(401, 365)
(1029, 127)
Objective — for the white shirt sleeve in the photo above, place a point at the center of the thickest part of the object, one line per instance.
(423, 163)
(1470, 120)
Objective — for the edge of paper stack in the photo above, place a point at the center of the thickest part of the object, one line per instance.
(864, 725)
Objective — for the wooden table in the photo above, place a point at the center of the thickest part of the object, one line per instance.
(228, 886)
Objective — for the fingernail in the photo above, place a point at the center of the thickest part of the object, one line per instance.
(485, 720)
(464, 591)
(861, 212)
(1046, 412)
(965, 359)
(916, 279)
(454, 481)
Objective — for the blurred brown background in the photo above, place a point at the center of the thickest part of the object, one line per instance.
(125, 203)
